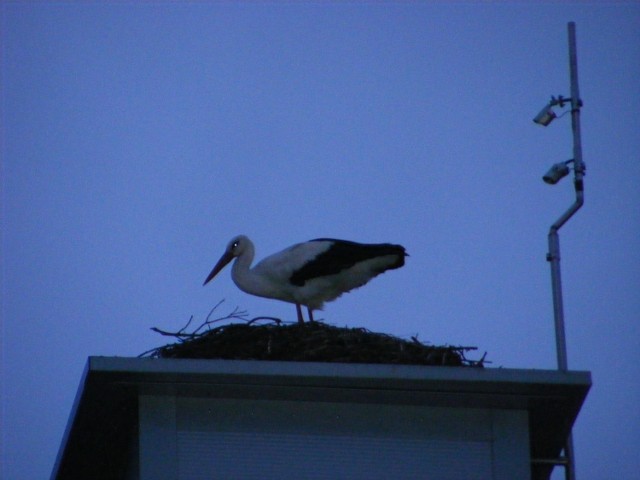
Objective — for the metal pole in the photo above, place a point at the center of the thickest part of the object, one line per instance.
(554, 241)
(556, 289)
(576, 103)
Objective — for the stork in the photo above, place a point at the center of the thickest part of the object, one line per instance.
(308, 273)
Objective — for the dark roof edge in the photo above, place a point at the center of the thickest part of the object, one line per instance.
(70, 421)
(319, 370)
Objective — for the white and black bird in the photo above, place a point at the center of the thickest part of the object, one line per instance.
(308, 273)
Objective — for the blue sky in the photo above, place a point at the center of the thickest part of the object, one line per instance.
(137, 139)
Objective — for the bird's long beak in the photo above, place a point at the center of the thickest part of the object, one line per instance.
(224, 260)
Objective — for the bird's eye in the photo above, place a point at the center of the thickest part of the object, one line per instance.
(235, 245)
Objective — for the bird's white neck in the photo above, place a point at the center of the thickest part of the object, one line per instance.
(245, 279)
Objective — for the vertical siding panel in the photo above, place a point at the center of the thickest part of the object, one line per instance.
(511, 457)
(158, 440)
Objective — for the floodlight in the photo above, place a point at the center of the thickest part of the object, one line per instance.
(546, 116)
(557, 172)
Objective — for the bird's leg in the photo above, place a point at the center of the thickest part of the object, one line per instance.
(310, 314)
(299, 311)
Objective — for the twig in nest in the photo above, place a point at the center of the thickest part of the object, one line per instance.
(182, 335)
(275, 320)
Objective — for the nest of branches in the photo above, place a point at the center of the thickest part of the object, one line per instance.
(267, 338)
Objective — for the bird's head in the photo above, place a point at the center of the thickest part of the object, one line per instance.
(236, 247)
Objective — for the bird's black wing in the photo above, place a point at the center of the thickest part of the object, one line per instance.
(343, 254)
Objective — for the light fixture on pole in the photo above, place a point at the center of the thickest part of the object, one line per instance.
(557, 172)
(553, 176)
(547, 115)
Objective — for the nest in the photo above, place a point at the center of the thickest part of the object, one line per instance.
(266, 338)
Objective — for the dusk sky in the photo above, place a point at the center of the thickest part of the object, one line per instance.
(138, 138)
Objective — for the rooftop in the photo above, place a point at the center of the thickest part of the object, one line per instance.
(106, 406)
